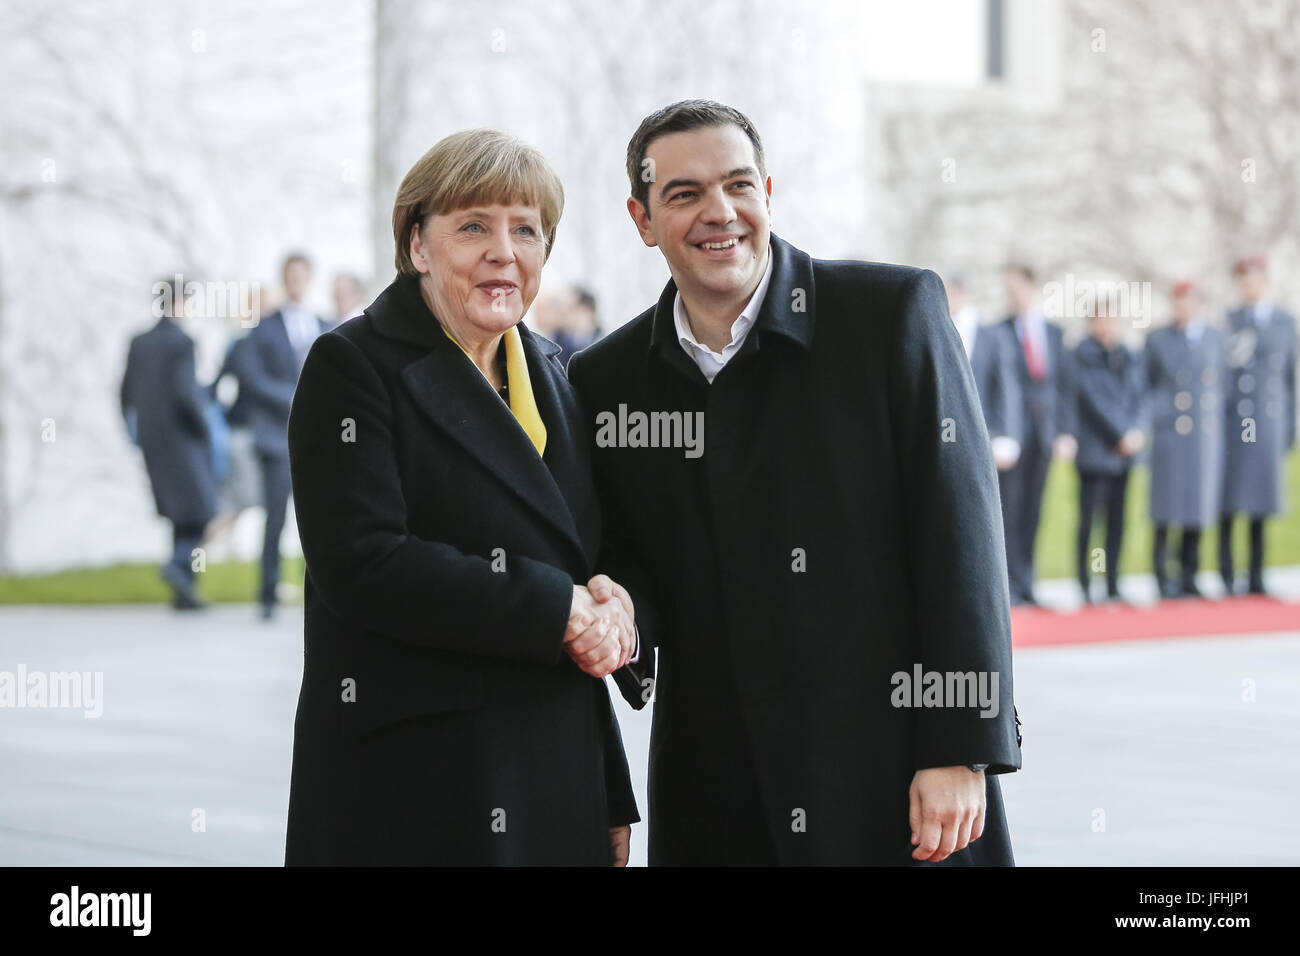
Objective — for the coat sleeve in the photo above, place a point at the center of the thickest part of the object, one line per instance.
(618, 560)
(186, 392)
(249, 365)
(126, 397)
(361, 557)
(1289, 374)
(1067, 394)
(954, 551)
(1009, 392)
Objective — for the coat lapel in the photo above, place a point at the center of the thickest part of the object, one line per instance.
(446, 386)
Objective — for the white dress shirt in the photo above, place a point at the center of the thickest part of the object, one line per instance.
(710, 362)
(301, 324)
(967, 321)
(1263, 312)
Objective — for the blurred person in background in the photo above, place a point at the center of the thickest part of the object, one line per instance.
(1260, 416)
(578, 326)
(267, 364)
(348, 301)
(1108, 388)
(165, 411)
(1043, 380)
(1184, 380)
(992, 352)
(450, 533)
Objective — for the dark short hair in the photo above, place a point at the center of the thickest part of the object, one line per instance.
(583, 297)
(293, 257)
(679, 118)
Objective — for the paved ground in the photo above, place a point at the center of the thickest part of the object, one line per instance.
(198, 715)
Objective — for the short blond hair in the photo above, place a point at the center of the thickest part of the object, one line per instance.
(469, 168)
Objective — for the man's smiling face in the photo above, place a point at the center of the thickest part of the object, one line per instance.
(709, 211)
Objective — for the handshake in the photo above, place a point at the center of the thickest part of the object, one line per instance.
(601, 634)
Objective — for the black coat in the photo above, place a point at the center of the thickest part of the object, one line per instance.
(826, 447)
(164, 403)
(1108, 392)
(466, 713)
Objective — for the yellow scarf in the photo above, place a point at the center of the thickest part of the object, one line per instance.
(522, 404)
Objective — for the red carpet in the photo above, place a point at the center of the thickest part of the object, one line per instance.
(1032, 627)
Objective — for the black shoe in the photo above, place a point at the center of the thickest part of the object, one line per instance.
(1190, 590)
(1228, 589)
(1169, 592)
(185, 599)
(1257, 587)
(268, 610)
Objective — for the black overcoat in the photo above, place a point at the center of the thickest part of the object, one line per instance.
(161, 396)
(439, 722)
(841, 526)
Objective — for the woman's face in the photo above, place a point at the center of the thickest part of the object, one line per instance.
(481, 267)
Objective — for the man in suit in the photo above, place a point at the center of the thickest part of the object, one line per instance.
(1184, 380)
(1043, 377)
(1260, 416)
(267, 364)
(163, 406)
(992, 354)
(1108, 391)
(799, 496)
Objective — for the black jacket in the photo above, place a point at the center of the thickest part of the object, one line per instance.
(162, 401)
(441, 556)
(1108, 393)
(841, 526)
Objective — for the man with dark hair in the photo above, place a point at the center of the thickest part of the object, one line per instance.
(163, 406)
(578, 327)
(810, 527)
(1261, 416)
(1043, 377)
(266, 364)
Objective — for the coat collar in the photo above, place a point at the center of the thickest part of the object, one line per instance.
(788, 309)
(446, 387)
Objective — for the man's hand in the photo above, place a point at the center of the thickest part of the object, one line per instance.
(946, 810)
(1065, 447)
(596, 634)
(603, 590)
(1131, 443)
(620, 843)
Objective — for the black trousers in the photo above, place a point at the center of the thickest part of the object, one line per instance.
(1021, 488)
(276, 486)
(1101, 490)
(1256, 551)
(1189, 556)
(185, 538)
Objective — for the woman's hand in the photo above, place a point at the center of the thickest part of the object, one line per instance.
(620, 841)
(599, 637)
